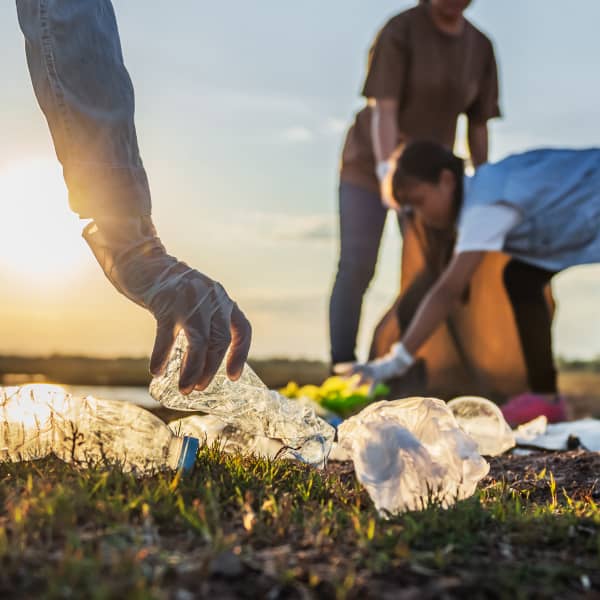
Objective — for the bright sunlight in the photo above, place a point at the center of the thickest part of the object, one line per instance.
(39, 236)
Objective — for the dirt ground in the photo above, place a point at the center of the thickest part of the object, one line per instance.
(576, 472)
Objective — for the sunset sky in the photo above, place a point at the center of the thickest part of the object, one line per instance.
(241, 112)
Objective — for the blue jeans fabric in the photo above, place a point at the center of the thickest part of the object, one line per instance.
(81, 83)
(362, 218)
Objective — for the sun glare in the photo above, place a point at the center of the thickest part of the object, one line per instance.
(39, 236)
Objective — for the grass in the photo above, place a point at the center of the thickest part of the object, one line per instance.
(249, 528)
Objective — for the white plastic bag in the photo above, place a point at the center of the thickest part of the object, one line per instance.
(409, 453)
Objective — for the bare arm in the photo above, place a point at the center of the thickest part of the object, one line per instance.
(384, 128)
(441, 299)
(384, 133)
(478, 143)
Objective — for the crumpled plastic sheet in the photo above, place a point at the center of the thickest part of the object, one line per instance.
(539, 434)
(411, 453)
(484, 422)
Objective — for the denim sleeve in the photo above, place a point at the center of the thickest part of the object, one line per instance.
(81, 83)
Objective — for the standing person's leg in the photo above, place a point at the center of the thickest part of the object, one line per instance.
(525, 287)
(81, 83)
(362, 218)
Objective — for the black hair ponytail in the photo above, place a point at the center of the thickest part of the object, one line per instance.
(425, 161)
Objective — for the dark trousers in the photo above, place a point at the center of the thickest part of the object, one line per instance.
(362, 218)
(525, 286)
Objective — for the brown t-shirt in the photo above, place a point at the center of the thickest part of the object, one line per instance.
(435, 76)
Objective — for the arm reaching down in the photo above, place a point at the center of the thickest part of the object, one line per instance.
(432, 312)
(137, 264)
(90, 112)
(442, 298)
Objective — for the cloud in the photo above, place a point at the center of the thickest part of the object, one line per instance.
(290, 304)
(297, 135)
(274, 228)
(322, 128)
(334, 126)
(302, 227)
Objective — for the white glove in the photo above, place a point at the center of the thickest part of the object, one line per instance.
(394, 364)
(135, 261)
(385, 172)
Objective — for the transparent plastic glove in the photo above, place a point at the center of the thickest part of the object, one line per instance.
(137, 264)
(394, 364)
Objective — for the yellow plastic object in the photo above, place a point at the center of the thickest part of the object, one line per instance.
(340, 395)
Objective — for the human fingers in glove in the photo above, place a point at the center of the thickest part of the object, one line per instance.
(394, 364)
(137, 264)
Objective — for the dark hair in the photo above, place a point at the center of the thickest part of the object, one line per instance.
(425, 161)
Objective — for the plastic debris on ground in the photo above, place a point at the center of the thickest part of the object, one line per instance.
(249, 407)
(343, 396)
(38, 420)
(483, 421)
(210, 430)
(410, 453)
(560, 436)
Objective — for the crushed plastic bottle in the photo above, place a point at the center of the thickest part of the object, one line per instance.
(39, 420)
(410, 453)
(249, 407)
(483, 421)
(210, 429)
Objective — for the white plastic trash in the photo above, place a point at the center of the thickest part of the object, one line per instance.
(555, 436)
(409, 453)
(38, 420)
(250, 408)
(210, 429)
(483, 421)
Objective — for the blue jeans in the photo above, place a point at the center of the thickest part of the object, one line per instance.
(362, 218)
(81, 83)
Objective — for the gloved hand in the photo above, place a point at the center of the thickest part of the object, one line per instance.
(394, 364)
(135, 261)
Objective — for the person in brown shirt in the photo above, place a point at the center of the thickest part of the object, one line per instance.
(428, 66)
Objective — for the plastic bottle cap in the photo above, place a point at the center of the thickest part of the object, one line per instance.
(189, 450)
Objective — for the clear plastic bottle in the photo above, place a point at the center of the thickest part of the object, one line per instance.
(250, 407)
(210, 429)
(483, 421)
(37, 420)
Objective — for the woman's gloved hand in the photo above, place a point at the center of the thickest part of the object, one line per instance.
(394, 364)
(137, 264)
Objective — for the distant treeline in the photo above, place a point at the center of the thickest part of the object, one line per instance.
(82, 370)
(588, 366)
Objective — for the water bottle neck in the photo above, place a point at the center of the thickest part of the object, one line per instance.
(182, 453)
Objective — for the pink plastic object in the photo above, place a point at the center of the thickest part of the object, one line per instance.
(526, 407)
